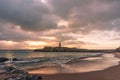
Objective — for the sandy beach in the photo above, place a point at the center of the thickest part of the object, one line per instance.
(111, 73)
(108, 74)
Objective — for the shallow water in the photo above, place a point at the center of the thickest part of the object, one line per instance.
(84, 65)
(60, 62)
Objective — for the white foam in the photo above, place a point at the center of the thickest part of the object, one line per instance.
(87, 65)
(95, 64)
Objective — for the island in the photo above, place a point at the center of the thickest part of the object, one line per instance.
(117, 49)
(59, 48)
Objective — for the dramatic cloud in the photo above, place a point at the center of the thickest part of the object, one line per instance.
(88, 15)
(14, 33)
(35, 15)
(27, 14)
(50, 21)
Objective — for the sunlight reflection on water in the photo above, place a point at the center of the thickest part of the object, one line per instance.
(88, 64)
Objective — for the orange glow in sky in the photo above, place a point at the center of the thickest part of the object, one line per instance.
(31, 24)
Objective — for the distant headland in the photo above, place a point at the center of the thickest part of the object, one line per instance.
(59, 48)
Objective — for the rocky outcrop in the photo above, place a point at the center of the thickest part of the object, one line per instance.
(2, 59)
(24, 77)
(118, 49)
(16, 59)
(11, 70)
(17, 74)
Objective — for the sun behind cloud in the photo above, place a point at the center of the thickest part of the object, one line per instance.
(30, 24)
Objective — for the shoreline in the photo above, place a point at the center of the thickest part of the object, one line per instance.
(111, 73)
(94, 63)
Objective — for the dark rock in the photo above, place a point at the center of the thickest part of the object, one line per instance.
(8, 68)
(2, 59)
(19, 71)
(118, 49)
(12, 70)
(17, 74)
(16, 59)
(24, 77)
(34, 77)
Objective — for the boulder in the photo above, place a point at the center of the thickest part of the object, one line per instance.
(34, 77)
(24, 77)
(2, 59)
(16, 59)
(17, 74)
(11, 70)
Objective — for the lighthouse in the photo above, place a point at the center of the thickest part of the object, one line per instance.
(59, 44)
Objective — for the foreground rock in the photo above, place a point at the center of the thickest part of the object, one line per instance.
(2, 59)
(11, 70)
(24, 77)
(16, 59)
(16, 74)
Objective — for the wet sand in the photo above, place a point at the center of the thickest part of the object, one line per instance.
(112, 73)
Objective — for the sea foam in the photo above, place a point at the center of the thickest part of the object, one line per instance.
(84, 65)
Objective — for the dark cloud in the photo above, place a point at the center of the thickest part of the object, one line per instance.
(27, 14)
(10, 32)
(22, 20)
(82, 13)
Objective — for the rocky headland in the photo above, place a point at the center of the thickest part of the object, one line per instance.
(11, 72)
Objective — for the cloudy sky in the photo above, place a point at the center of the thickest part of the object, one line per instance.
(31, 24)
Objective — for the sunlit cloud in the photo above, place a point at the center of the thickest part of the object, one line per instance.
(44, 1)
(35, 43)
(63, 24)
(49, 38)
(30, 24)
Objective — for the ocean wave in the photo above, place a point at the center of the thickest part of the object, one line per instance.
(84, 65)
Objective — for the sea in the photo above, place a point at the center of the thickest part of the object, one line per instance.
(59, 62)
